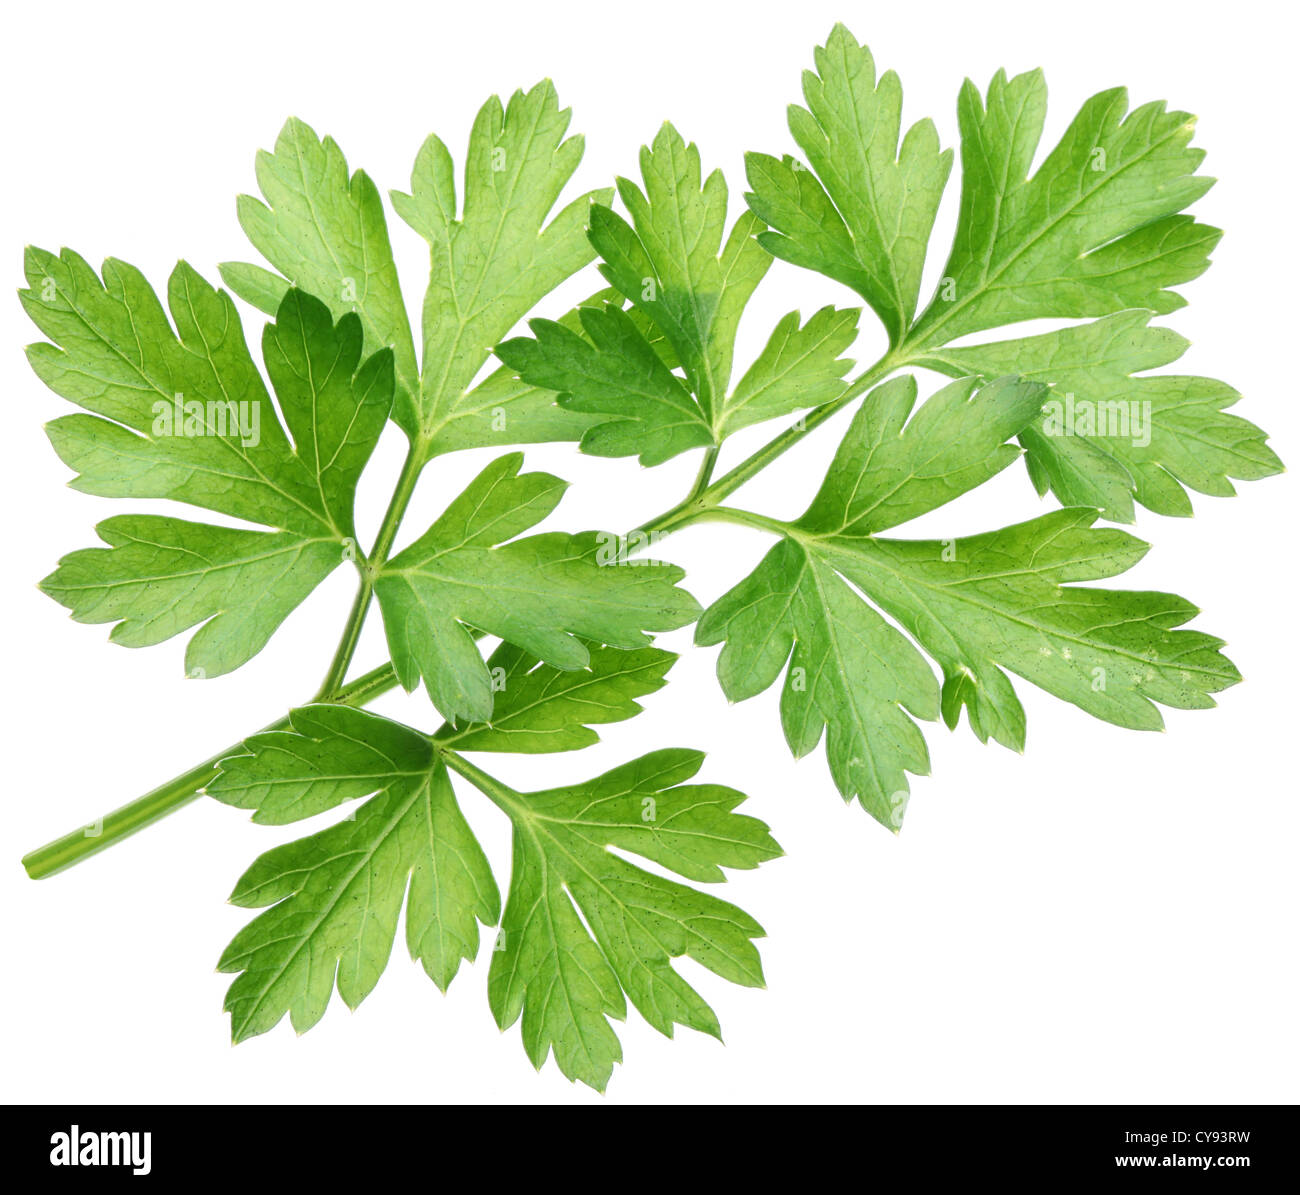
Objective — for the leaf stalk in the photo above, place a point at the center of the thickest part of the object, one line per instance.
(702, 503)
(416, 458)
(90, 839)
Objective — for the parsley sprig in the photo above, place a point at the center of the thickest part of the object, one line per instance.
(847, 611)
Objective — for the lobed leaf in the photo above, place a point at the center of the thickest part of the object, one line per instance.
(849, 672)
(1109, 437)
(799, 367)
(583, 927)
(890, 469)
(538, 708)
(978, 605)
(610, 368)
(539, 593)
(983, 603)
(335, 896)
(493, 264)
(325, 232)
(660, 373)
(864, 213)
(160, 576)
(1098, 229)
(672, 264)
(331, 754)
(183, 413)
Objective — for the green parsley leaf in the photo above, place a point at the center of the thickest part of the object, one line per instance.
(538, 592)
(610, 368)
(184, 414)
(538, 708)
(799, 367)
(890, 469)
(687, 289)
(865, 216)
(331, 755)
(849, 671)
(999, 600)
(977, 604)
(566, 974)
(325, 232)
(1097, 230)
(335, 896)
(160, 576)
(334, 411)
(1109, 436)
(489, 268)
(672, 264)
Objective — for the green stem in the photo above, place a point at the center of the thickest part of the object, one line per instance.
(686, 511)
(416, 458)
(700, 504)
(401, 499)
(755, 464)
(747, 518)
(705, 474)
(502, 796)
(176, 793)
(703, 498)
(338, 668)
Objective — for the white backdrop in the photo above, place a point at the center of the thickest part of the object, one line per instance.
(1110, 917)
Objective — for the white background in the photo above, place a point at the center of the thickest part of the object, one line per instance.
(1110, 917)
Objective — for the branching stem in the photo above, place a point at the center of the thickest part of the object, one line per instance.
(113, 827)
(702, 503)
(416, 457)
